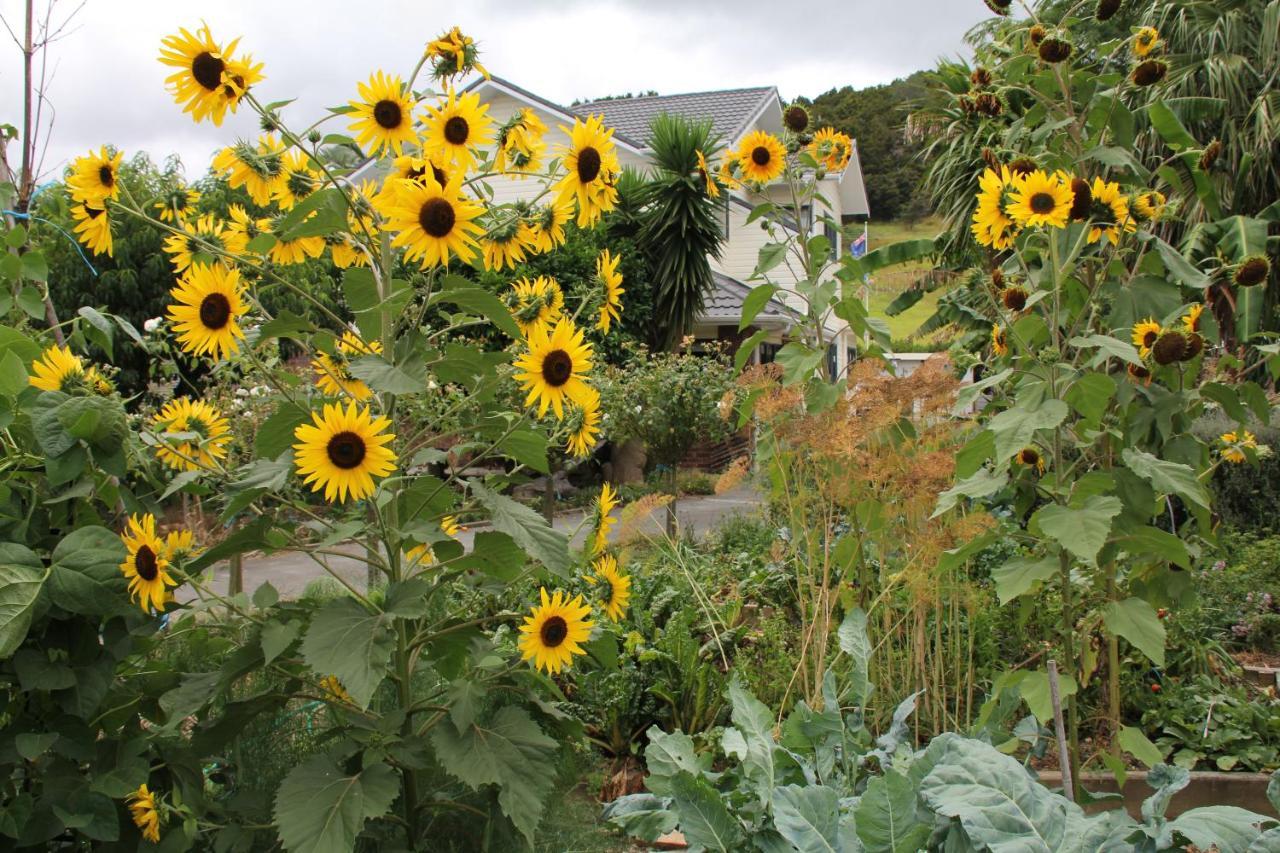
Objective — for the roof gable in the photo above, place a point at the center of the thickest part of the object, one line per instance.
(731, 111)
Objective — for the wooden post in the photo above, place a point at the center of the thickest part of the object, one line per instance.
(235, 575)
(1064, 757)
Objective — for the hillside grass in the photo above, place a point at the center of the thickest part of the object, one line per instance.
(887, 284)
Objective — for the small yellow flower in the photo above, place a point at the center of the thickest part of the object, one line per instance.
(999, 345)
(614, 586)
(1145, 335)
(144, 809)
(1145, 42)
(1233, 452)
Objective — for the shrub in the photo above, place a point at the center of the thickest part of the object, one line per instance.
(1245, 496)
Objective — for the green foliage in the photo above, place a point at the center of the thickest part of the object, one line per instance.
(1204, 724)
(1244, 494)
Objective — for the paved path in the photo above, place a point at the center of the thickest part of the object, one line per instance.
(290, 572)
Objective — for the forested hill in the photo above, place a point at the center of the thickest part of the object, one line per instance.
(875, 117)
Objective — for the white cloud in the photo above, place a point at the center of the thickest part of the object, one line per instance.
(109, 88)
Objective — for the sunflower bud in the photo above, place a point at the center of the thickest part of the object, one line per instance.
(314, 137)
(988, 104)
(1037, 34)
(990, 159)
(1195, 346)
(796, 118)
(1169, 348)
(1014, 298)
(1055, 50)
(1000, 7)
(1211, 154)
(1107, 9)
(269, 123)
(1150, 72)
(1083, 202)
(1253, 271)
(966, 104)
(997, 278)
(1022, 166)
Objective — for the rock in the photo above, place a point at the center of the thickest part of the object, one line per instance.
(628, 462)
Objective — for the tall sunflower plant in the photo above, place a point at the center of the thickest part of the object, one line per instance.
(448, 657)
(1102, 345)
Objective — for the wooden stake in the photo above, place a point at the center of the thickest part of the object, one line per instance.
(1064, 757)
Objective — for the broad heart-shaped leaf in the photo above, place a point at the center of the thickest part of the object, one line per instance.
(1136, 621)
(808, 817)
(704, 820)
(20, 585)
(478, 301)
(667, 755)
(529, 529)
(349, 642)
(321, 810)
(1035, 690)
(1015, 428)
(886, 816)
(854, 642)
(1169, 477)
(753, 723)
(508, 750)
(275, 435)
(1229, 829)
(1133, 741)
(1022, 575)
(1109, 346)
(1081, 531)
(755, 302)
(740, 356)
(1273, 791)
(799, 361)
(85, 576)
(999, 806)
(1153, 544)
(1089, 395)
(641, 816)
(982, 484)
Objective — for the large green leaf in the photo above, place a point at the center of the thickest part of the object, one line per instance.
(319, 809)
(641, 816)
(667, 755)
(1022, 575)
(349, 642)
(886, 816)
(508, 750)
(798, 361)
(275, 435)
(982, 484)
(808, 816)
(1249, 305)
(1168, 477)
(755, 302)
(19, 588)
(1136, 621)
(854, 642)
(1000, 807)
(529, 529)
(1229, 829)
(704, 820)
(480, 302)
(1133, 741)
(901, 252)
(750, 738)
(1083, 530)
(1015, 428)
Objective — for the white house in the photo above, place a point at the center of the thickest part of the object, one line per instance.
(733, 113)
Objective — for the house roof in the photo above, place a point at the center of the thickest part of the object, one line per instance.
(731, 110)
(502, 84)
(724, 305)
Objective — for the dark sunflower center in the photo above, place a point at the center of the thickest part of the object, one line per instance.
(439, 175)
(437, 217)
(106, 177)
(760, 155)
(1149, 338)
(456, 130)
(1042, 203)
(93, 212)
(215, 311)
(207, 69)
(557, 367)
(144, 561)
(1030, 457)
(234, 87)
(346, 450)
(588, 165)
(553, 632)
(387, 114)
(300, 185)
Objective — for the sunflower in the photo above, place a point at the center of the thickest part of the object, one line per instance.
(796, 118)
(554, 631)
(431, 220)
(144, 809)
(347, 252)
(295, 251)
(333, 691)
(999, 344)
(93, 228)
(423, 554)
(1014, 297)
(611, 284)
(58, 369)
(730, 172)
(259, 169)
(584, 423)
(343, 450)
(454, 128)
(832, 149)
(177, 204)
(708, 176)
(520, 145)
(1149, 206)
(209, 301)
(505, 242)
(146, 564)
(1145, 335)
(297, 180)
(1031, 458)
(95, 178)
(547, 224)
(535, 303)
(1110, 212)
(991, 225)
(1040, 199)
(761, 157)
(202, 241)
(241, 229)
(453, 53)
(333, 374)
(1145, 42)
(383, 115)
(209, 80)
(1236, 445)
(615, 587)
(552, 370)
(193, 434)
(178, 544)
(603, 518)
(591, 164)
(1191, 322)
(1252, 271)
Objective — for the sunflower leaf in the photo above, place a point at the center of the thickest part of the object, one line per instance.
(321, 810)
(349, 642)
(529, 529)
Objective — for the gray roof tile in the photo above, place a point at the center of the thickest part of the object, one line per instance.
(724, 303)
(729, 110)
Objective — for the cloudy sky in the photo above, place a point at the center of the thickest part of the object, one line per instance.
(108, 87)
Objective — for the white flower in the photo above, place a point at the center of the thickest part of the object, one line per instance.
(151, 325)
(639, 409)
(242, 392)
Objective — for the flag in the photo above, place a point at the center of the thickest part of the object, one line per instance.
(858, 247)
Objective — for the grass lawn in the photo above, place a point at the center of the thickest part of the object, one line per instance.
(887, 284)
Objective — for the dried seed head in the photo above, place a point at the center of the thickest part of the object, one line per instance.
(1054, 50)
(1150, 72)
(1253, 271)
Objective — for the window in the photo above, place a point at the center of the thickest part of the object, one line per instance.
(833, 237)
(832, 367)
(769, 352)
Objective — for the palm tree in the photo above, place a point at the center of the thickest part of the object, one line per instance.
(679, 225)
